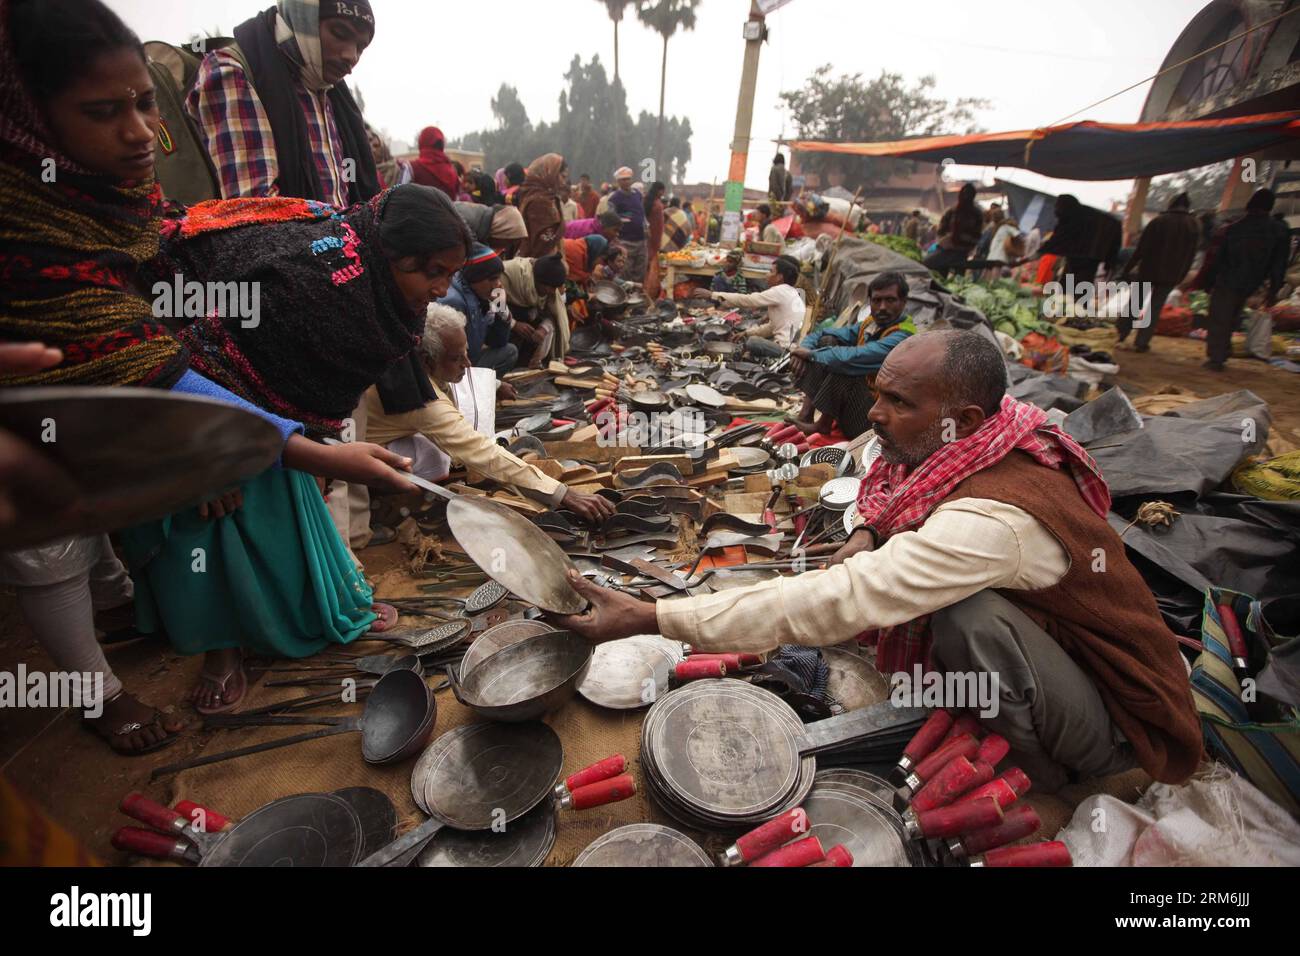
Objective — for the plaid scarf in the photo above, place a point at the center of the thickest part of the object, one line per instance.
(70, 249)
(895, 498)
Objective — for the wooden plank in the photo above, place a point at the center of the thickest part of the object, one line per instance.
(589, 450)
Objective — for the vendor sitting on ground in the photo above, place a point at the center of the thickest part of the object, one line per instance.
(439, 430)
(535, 295)
(487, 319)
(729, 277)
(983, 549)
(785, 309)
(836, 369)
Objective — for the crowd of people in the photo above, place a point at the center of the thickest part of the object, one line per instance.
(384, 284)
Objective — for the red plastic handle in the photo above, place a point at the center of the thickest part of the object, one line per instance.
(964, 745)
(1053, 853)
(606, 791)
(149, 843)
(951, 782)
(1006, 789)
(932, 732)
(1020, 821)
(139, 807)
(1232, 631)
(696, 670)
(838, 855)
(803, 852)
(601, 770)
(965, 724)
(204, 819)
(959, 818)
(992, 749)
(772, 834)
(733, 661)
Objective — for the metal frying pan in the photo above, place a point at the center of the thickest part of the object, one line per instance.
(497, 638)
(631, 673)
(524, 843)
(135, 454)
(853, 683)
(475, 776)
(307, 829)
(703, 394)
(397, 720)
(527, 679)
(643, 845)
(839, 816)
(514, 552)
(377, 815)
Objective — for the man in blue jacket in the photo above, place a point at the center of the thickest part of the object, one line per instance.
(836, 369)
(474, 293)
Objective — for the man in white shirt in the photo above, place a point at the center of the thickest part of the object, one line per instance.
(985, 554)
(785, 306)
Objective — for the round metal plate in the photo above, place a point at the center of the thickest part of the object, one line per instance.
(631, 673)
(135, 454)
(524, 843)
(479, 774)
(722, 751)
(853, 683)
(377, 815)
(514, 552)
(497, 637)
(823, 456)
(705, 395)
(838, 816)
(643, 845)
(751, 457)
(867, 783)
(307, 829)
(839, 493)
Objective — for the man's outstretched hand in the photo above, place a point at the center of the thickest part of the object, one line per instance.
(611, 616)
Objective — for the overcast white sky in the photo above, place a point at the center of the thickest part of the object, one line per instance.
(438, 62)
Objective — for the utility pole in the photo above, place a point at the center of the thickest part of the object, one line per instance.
(755, 34)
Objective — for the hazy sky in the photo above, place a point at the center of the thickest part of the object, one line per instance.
(438, 62)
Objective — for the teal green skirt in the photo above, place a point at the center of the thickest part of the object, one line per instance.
(273, 578)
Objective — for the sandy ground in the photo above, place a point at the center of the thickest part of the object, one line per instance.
(79, 781)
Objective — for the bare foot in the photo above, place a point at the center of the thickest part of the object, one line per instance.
(221, 682)
(150, 727)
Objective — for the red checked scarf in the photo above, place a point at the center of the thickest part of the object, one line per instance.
(895, 498)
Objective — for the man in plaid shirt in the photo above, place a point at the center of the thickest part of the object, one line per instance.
(275, 115)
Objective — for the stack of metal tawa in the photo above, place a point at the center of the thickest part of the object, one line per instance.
(722, 754)
(643, 845)
(854, 808)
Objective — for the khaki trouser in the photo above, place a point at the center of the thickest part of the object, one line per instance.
(1048, 708)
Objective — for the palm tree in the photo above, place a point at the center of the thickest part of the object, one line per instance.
(666, 17)
(616, 8)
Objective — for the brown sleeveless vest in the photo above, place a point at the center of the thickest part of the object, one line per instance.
(1106, 620)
